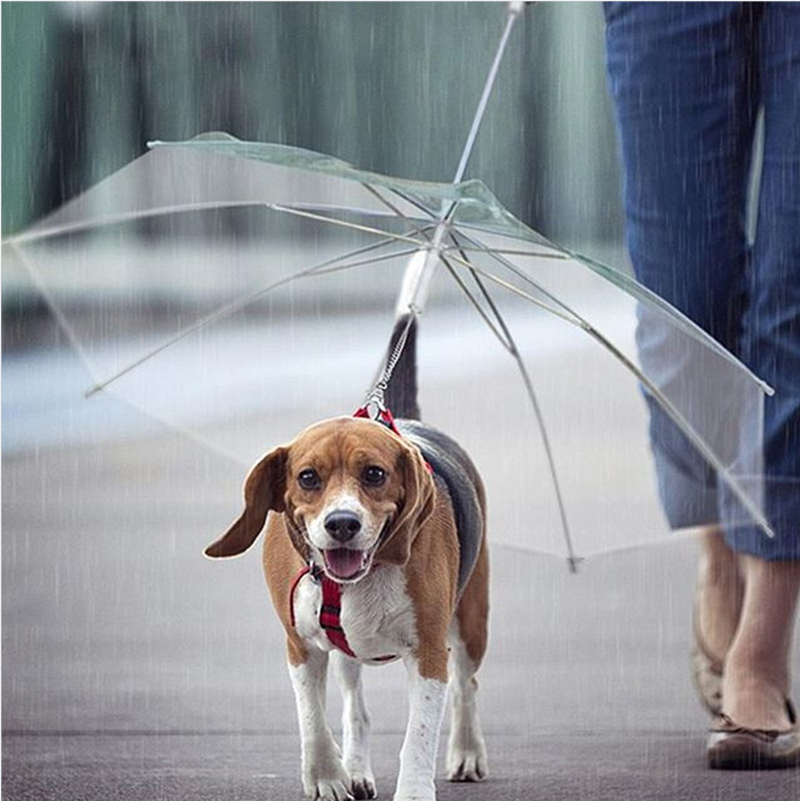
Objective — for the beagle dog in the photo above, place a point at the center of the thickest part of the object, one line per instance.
(375, 550)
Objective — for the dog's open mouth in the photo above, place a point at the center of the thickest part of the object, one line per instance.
(345, 563)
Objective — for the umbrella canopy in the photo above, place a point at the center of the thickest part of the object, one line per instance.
(288, 264)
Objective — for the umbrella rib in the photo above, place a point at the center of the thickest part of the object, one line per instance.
(386, 202)
(337, 268)
(330, 207)
(504, 252)
(484, 228)
(416, 203)
(112, 219)
(654, 391)
(681, 320)
(571, 556)
(184, 208)
(484, 316)
(55, 309)
(515, 290)
(525, 277)
(343, 224)
(512, 348)
(318, 269)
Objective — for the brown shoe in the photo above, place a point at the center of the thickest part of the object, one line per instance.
(734, 747)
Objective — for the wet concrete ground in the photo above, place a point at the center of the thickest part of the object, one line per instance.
(598, 767)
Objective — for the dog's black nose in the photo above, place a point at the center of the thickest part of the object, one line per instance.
(342, 526)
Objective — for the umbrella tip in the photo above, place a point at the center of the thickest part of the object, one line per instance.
(573, 562)
(92, 391)
(767, 529)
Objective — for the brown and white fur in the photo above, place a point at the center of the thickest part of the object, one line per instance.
(401, 595)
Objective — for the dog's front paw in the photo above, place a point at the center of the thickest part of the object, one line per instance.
(467, 764)
(332, 789)
(362, 785)
(327, 784)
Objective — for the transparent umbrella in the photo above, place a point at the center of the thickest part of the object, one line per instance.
(308, 254)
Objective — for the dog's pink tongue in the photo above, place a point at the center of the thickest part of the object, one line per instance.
(344, 562)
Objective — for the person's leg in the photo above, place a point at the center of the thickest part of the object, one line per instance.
(757, 669)
(720, 593)
(756, 682)
(680, 75)
(771, 331)
(717, 606)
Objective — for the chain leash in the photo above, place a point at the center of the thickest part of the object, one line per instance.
(375, 402)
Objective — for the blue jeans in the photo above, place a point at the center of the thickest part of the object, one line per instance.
(687, 81)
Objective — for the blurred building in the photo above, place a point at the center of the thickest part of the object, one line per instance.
(390, 87)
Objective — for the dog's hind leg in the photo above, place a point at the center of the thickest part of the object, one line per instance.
(466, 749)
(355, 726)
(324, 775)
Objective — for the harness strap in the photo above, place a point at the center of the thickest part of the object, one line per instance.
(330, 614)
(330, 611)
(306, 570)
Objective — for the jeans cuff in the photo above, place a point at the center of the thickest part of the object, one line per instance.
(687, 501)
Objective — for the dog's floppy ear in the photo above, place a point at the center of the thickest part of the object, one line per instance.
(264, 490)
(418, 506)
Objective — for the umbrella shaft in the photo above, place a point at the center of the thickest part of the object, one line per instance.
(514, 11)
(419, 273)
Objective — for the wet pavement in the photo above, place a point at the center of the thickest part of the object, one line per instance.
(246, 767)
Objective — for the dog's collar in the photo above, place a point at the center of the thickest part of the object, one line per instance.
(330, 610)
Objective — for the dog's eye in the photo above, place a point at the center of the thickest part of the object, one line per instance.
(373, 476)
(309, 479)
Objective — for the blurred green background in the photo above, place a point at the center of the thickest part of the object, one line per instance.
(390, 87)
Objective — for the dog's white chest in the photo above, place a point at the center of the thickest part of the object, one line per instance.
(377, 615)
